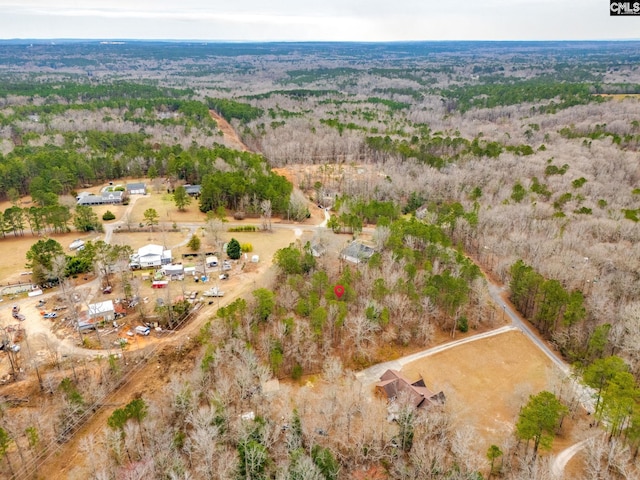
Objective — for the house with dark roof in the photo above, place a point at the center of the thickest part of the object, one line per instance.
(193, 190)
(392, 384)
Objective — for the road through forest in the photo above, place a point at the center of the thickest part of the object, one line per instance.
(371, 375)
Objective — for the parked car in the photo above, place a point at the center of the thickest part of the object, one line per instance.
(50, 315)
(143, 330)
(76, 245)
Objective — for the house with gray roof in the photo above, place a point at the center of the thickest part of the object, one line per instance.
(357, 252)
(114, 197)
(136, 188)
(193, 190)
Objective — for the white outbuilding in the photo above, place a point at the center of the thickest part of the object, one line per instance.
(104, 310)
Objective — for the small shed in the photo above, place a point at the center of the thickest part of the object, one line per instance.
(104, 310)
(159, 284)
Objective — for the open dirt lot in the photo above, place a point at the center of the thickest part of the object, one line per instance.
(486, 382)
(13, 252)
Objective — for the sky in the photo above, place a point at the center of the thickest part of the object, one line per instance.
(317, 20)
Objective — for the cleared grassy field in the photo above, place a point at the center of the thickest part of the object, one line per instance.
(486, 382)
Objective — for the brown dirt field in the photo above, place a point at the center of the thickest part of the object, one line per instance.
(486, 382)
(13, 251)
(619, 96)
(166, 209)
(228, 132)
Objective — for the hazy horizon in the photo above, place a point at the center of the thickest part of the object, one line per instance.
(333, 20)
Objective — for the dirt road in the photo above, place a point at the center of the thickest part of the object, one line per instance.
(584, 393)
(562, 459)
(229, 134)
(372, 374)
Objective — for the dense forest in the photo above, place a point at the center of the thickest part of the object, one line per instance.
(520, 158)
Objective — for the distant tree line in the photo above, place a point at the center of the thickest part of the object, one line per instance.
(489, 95)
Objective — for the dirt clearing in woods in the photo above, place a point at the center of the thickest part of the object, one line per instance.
(230, 136)
(486, 382)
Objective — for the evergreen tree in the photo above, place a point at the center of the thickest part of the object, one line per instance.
(151, 217)
(181, 198)
(233, 249)
(539, 419)
(85, 219)
(194, 243)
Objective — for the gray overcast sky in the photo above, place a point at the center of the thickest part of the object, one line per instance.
(365, 20)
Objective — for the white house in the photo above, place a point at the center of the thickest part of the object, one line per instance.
(150, 256)
(102, 310)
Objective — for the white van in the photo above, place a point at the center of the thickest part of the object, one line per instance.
(142, 330)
